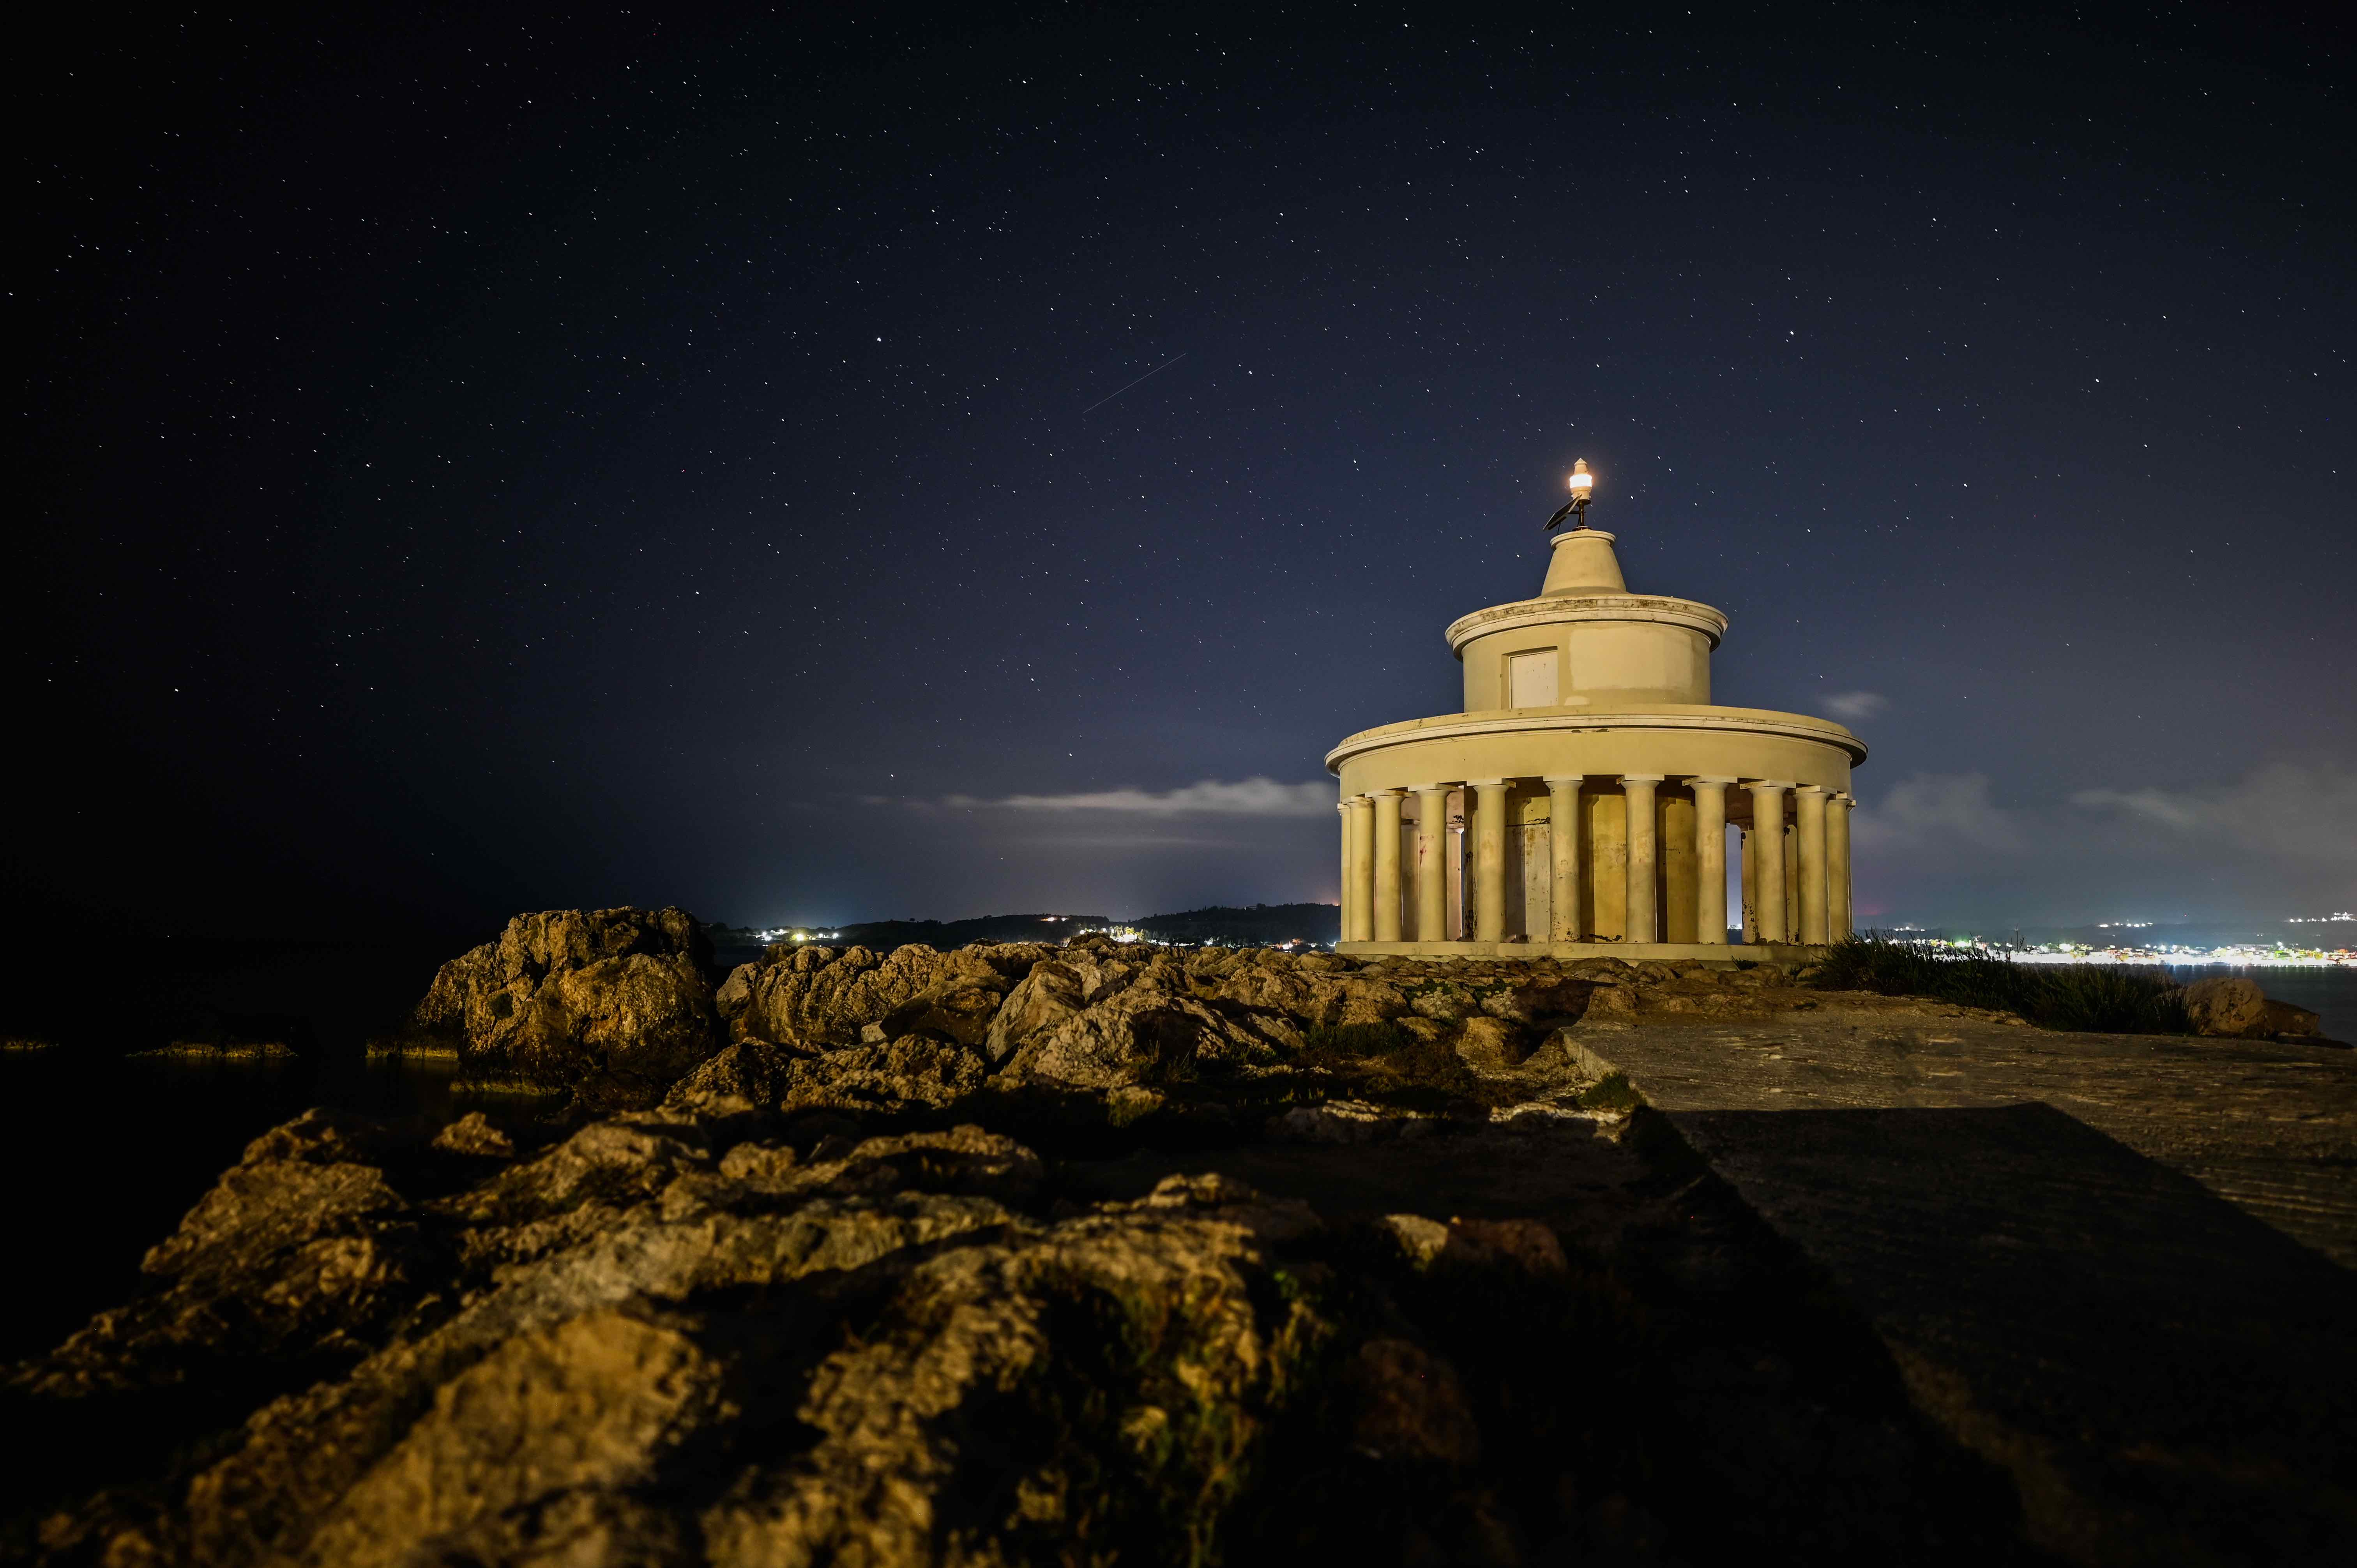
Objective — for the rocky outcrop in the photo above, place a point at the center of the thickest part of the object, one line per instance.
(637, 1347)
(613, 1004)
(2233, 1007)
(817, 997)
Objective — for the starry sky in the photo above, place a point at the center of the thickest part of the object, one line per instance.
(846, 464)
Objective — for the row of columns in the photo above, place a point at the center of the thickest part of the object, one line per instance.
(1795, 880)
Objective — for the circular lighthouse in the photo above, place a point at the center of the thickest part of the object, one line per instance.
(1580, 804)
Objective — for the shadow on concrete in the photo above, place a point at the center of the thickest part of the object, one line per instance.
(2169, 1379)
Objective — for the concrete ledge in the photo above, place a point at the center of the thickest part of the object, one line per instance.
(1631, 952)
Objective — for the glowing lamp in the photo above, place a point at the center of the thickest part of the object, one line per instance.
(1582, 490)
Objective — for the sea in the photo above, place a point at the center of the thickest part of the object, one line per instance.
(102, 1154)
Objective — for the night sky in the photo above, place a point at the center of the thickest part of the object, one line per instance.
(471, 463)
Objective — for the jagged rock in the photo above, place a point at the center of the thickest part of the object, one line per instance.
(473, 1134)
(1150, 1031)
(616, 997)
(587, 1408)
(299, 1256)
(817, 997)
(984, 1337)
(902, 1074)
(757, 1079)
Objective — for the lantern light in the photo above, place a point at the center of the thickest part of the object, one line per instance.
(1582, 490)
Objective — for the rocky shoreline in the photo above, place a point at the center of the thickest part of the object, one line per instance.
(911, 1258)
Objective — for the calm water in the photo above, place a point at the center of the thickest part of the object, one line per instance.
(101, 1155)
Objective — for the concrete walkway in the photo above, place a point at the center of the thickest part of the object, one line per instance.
(2116, 1265)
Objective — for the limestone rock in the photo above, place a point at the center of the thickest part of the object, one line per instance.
(616, 997)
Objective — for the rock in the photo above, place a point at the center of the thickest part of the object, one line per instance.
(2230, 1005)
(1150, 1032)
(816, 997)
(2285, 1020)
(1612, 1005)
(1492, 1043)
(757, 1080)
(586, 1408)
(298, 1259)
(1411, 1404)
(474, 1134)
(618, 998)
(744, 1082)
(901, 1074)
(1521, 1245)
(736, 993)
(1351, 1121)
(1053, 992)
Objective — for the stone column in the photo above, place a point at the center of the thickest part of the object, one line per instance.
(1342, 821)
(1567, 920)
(1490, 861)
(1749, 845)
(1642, 922)
(1837, 918)
(1432, 863)
(1809, 839)
(1387, 865)
(1359, 902)
(1765, 898)
(1710, 860)
(1792, 885)
(1675, 879)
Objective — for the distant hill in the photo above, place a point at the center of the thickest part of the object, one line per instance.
(946, 934)
(1258, 925)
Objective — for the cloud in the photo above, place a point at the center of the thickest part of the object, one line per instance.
(2300, 813)
(1853, 707)
(1251, 797)
(1937, 807)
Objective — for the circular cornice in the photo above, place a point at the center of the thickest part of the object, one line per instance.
(1731, 721)
(1686, 613)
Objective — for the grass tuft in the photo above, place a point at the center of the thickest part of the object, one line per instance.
(2100, 998)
